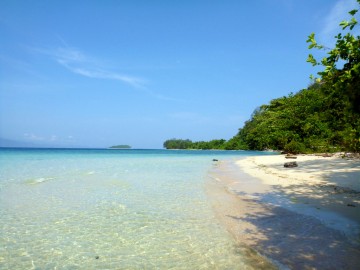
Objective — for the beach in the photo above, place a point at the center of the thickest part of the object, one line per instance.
(148, 209)
(306, 217)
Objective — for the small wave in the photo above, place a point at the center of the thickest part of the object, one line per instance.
(38, 180)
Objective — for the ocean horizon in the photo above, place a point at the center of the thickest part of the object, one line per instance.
(81, 208)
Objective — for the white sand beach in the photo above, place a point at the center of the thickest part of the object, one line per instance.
(306, 217)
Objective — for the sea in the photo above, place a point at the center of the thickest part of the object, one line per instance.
(112, 209)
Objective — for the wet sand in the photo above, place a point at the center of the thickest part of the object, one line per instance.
(306, 217)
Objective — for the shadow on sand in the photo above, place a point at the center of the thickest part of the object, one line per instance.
(300, 241)
(299, 229)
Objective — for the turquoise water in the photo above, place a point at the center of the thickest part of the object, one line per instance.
(111, 209)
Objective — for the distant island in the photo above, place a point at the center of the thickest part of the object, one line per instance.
(122, 146)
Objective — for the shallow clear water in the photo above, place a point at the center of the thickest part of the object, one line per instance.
(111, 209)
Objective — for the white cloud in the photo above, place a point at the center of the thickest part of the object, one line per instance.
(331, 23)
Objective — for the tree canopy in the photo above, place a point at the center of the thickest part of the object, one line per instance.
(188, 144)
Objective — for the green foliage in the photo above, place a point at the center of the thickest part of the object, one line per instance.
(294, 147)
(351, 137)
(188, 144)
(341, 65)
(341, 83)
(309, 121)
(236, 143)
(323, 117)
(177, 144)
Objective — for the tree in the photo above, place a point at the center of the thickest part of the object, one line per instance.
(341, 75)
(177, 144)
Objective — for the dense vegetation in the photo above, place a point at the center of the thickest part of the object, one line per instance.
(316, 119)
(325, 117)
(188, 144)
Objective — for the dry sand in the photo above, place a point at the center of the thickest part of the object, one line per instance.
(326, 183)
(307, 217)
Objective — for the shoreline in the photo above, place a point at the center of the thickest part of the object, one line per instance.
(328, 184)
(306, 217)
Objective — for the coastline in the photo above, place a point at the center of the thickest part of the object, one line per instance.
(305, 217)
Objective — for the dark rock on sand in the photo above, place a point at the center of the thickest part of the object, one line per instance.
(290, 164)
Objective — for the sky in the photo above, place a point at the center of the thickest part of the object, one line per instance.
(101, 73)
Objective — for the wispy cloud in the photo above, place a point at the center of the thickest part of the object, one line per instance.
(77, 62)
(331, 27)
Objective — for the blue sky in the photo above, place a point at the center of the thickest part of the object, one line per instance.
(99, 73)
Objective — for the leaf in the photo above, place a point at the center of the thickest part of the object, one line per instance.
(324, 61)
(353, 12)
(344, 24)
(312, 46)
(311, 60)
(311, 38)
(352, 23)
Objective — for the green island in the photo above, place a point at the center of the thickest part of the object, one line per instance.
(121, 146)
(324, 117)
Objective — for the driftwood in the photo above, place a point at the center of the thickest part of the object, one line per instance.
(324, 155)
(292, 157)
(290, 164)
